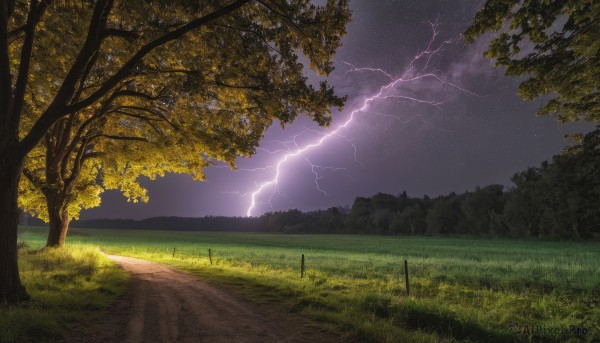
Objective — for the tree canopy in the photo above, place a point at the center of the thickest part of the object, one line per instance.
(144, 87)
(555, 45)
(180, 112)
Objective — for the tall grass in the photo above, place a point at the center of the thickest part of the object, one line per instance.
(461, 289)
(67, 286)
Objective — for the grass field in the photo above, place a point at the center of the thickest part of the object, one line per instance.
(460, 289)
(68, 286)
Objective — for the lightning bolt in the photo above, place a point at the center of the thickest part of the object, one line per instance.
(315, 170)
(386, 92)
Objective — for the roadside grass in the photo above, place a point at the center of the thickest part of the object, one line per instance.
(465, 290)
(67, 285)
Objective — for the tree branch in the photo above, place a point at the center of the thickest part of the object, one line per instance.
(32, 178)
(182, 71)
(58, 107)
(121, 33)
(66, 134)
(290, 21)
(149, 47)
(133, 115)
(56, 110)
(35, 13)
(92, 155)
(5, 76)
(84, 76)
(239, 29)
(145, 119)
(19, 32)
(122, 138)
(77, 163)
(15, 34)
(156, 113)
(255, 88)
(140, 94)
(99, 113)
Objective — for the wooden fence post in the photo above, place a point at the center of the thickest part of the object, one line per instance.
(210, 256)
(174, 251)
(302, 267)
(406, 277)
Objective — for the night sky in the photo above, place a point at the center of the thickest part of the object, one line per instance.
(476, 136)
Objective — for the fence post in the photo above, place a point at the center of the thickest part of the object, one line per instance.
(302, 267)
(406, 277)
(174, 251)
(210, 256)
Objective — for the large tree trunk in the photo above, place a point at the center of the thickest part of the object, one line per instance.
(58, 214)
(11, 289)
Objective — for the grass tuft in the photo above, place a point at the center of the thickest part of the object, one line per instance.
(68, 286)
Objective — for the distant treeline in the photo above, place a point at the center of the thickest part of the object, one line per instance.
(558, 200)
(209, 223)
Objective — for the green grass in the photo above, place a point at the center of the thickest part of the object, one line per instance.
(68, 286)
(461, 289)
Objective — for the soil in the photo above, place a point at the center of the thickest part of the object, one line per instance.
(166, 305)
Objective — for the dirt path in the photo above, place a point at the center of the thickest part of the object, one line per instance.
(166, 305)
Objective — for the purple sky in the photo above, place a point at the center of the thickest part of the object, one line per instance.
(464, 141)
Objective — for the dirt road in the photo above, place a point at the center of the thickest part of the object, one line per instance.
(166, 305)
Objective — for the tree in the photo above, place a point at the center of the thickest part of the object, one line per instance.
(523, 208)
(64, 178)
(410, 221)
(380, 220)
(186, 87)
(478, 206)
(124, 40)
(282, 221)
(558, 199)
(359, 218)
(383, 201)
(584, 160)
(552, 201)
(443, 216)
(554, 44)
